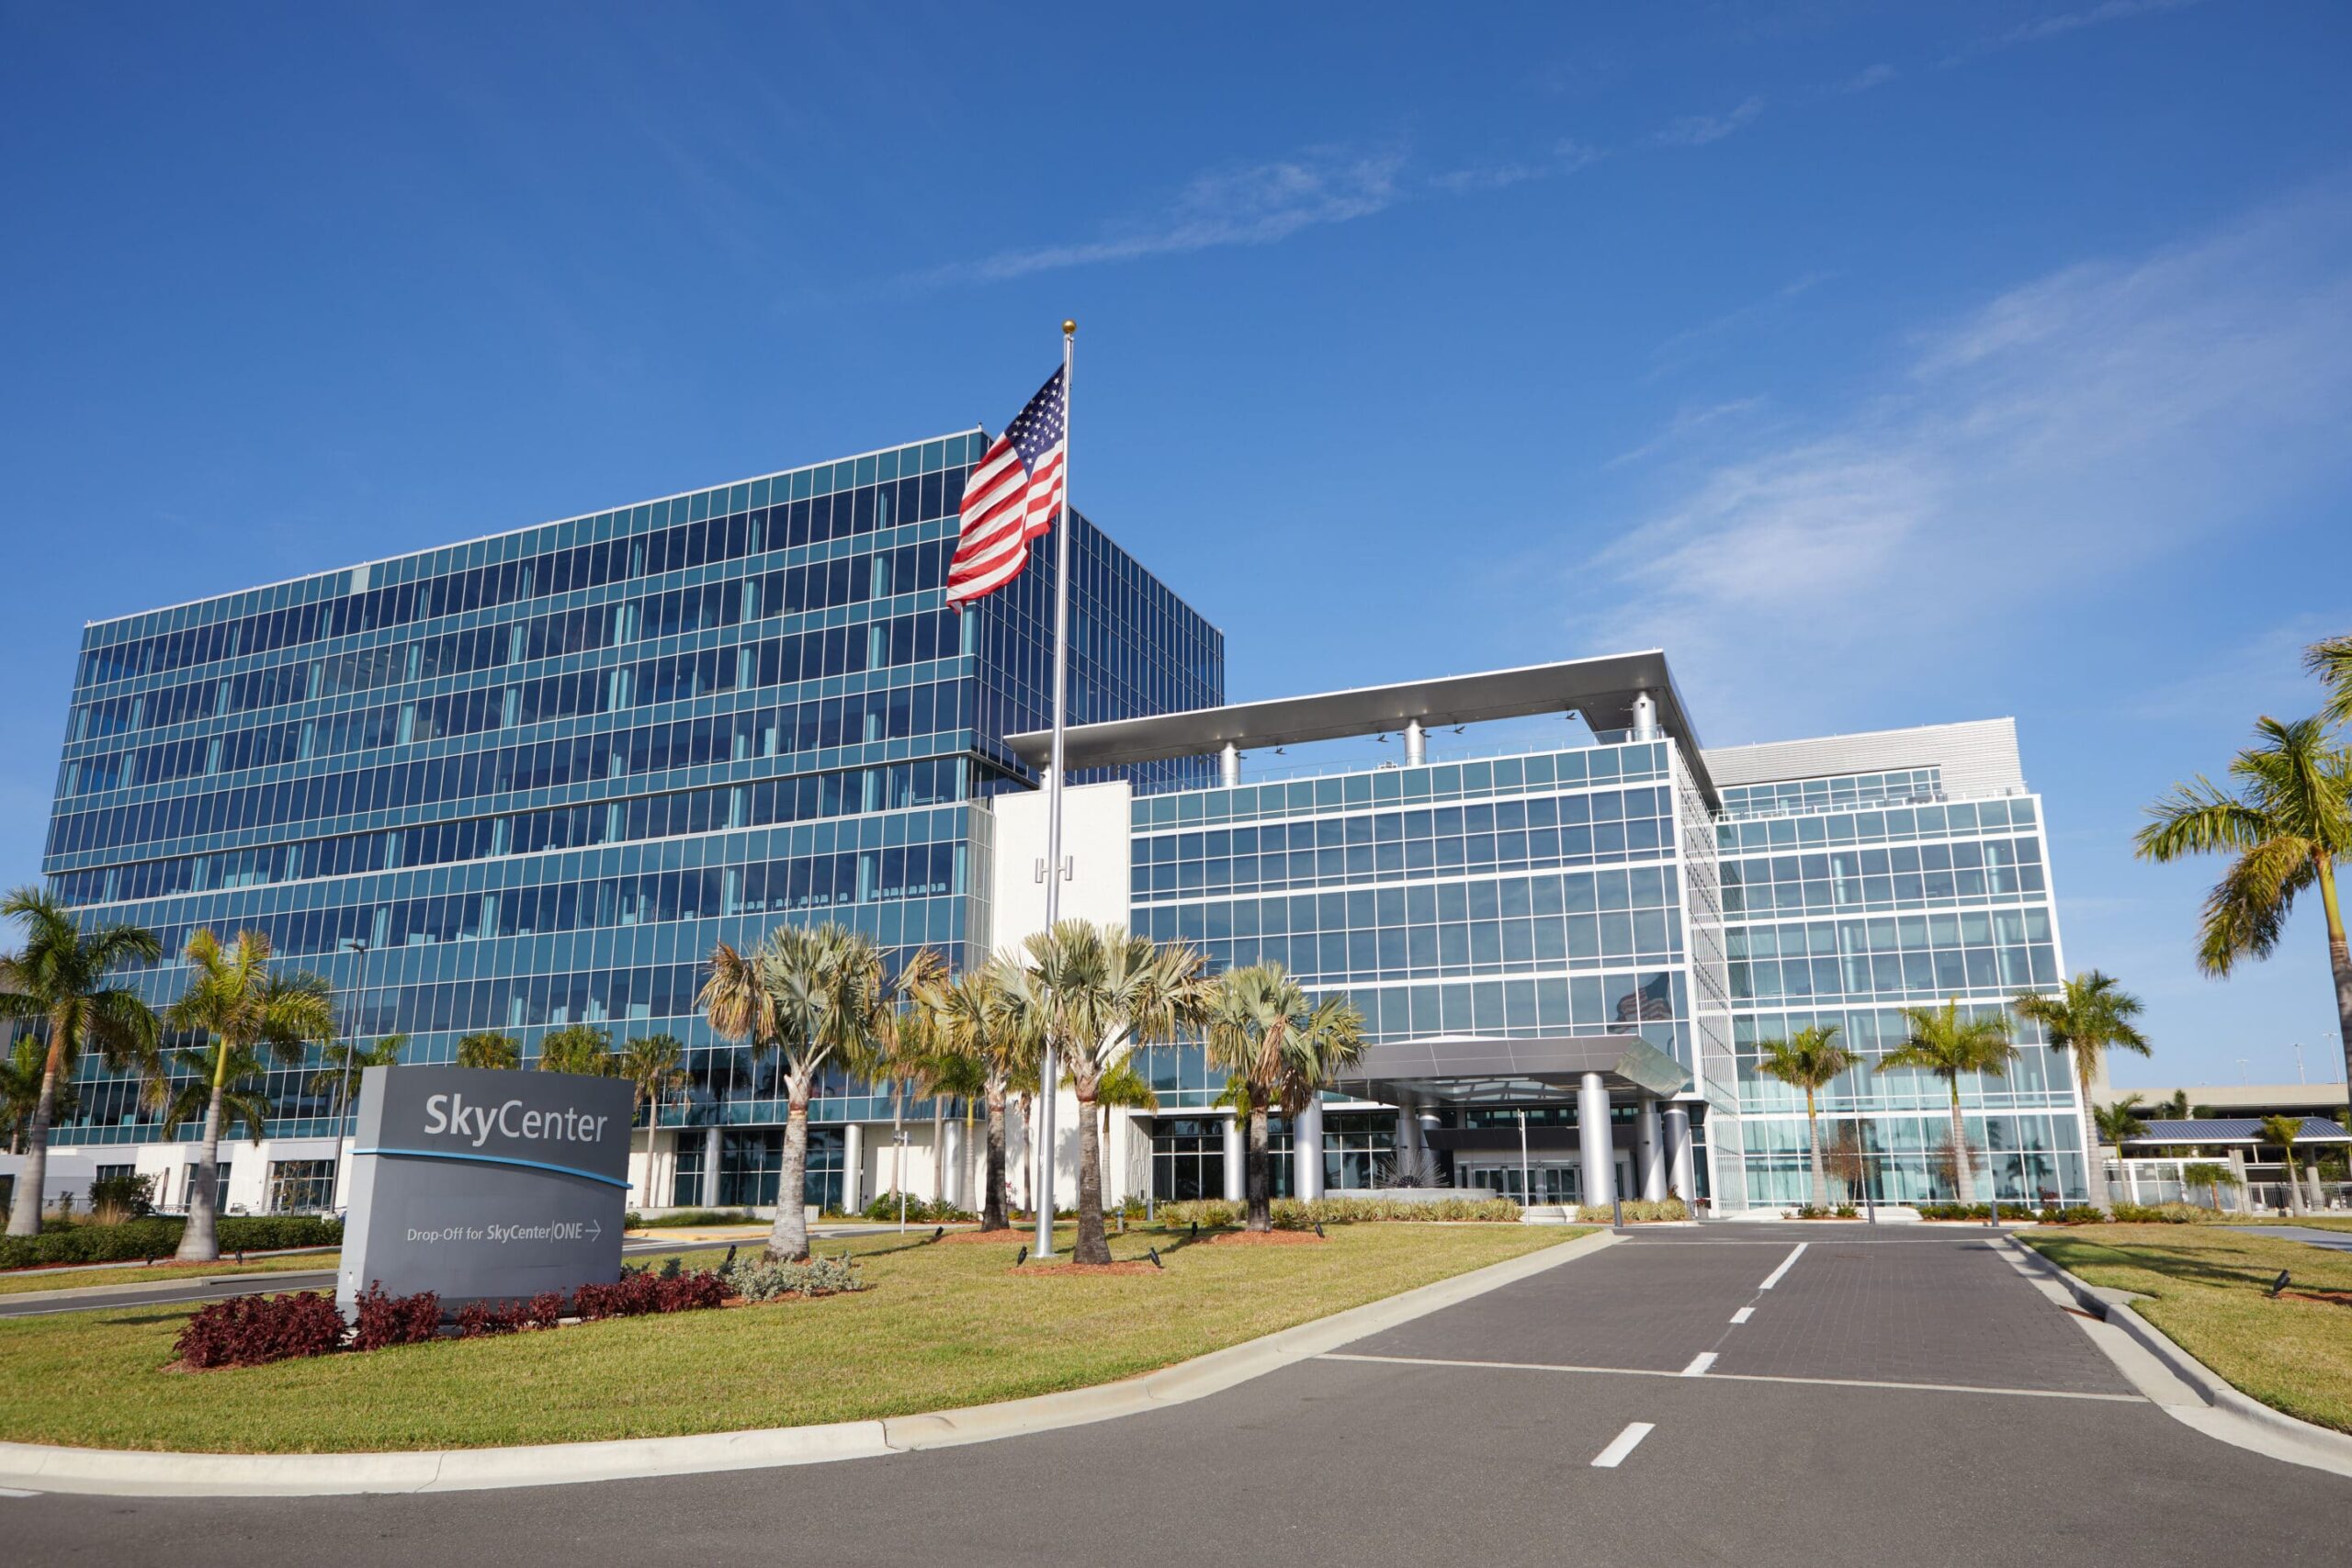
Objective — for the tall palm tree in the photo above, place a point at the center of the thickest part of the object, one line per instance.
(2119, 1123)
(2283, 1131)
(2331, 660)
(2091, 1016)
(62, 979)
(651, 1065)
(242, 1009)
(20, 1080)
(1810, 1059)
(579, 1048)
(810, 995)
(2286, 824)
(488, 1048)
(904, 1037)
(184, 1085)
(949, 1075)
(1096, 992)
(977, 1024)
(1944, 1043)
(344, 1062)
(1278, 1052)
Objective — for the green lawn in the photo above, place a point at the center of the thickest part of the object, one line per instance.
(18, 1281)
(943, 1325)
(2208, 1286)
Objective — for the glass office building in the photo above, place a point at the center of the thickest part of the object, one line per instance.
(528, 782)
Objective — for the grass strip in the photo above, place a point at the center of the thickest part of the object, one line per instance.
(2208, 1288)
(942, 1326)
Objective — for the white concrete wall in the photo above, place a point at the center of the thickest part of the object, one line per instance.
(1977, 757)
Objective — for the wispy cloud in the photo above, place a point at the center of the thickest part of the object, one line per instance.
(1691, 342)
(1685, 423)
(2060, 23)
(1260, 203)
(1698, 130)
(2065, 431)
(1869, 76)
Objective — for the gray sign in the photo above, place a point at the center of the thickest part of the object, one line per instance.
(484, 1185)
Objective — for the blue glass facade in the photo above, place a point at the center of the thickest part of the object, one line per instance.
(530, 781)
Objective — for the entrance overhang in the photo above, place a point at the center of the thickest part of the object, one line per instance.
(1466, 1069)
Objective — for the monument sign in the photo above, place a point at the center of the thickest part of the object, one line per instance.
(485, 1185)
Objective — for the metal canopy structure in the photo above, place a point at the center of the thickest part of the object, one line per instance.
(2232, 1130)
(1464, 1069)
(1602, 690)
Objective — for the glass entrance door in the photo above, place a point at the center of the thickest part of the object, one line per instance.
(1553, 1181)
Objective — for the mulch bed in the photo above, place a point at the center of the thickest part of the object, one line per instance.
(2333, 1298)
(1265, 1238)
(1000, 1238)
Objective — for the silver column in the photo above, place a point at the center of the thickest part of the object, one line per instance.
(710, 1166)
(1649, 1157)
(852, 1169)
(1306, 1151)
(1411, 1152)
(1682, 1182)
(1415, 744)
(1645, 717)
(1228, 765)
(1593, 1144)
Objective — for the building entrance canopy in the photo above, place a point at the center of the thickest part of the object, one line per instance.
(1463, 1069)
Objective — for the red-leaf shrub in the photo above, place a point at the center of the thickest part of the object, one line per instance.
(251, 1331)
(542, 1310)
(689, 1292)
(636, 1294)
(395, 1320)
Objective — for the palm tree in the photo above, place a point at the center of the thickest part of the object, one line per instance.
(2088, 1017)
(977, 1025)
(184, 1085)
(2283, 1131)
(579, 1048)
(1095, 992)
(2289, 819)
(344, 1062)
(2175, 1109)
(1943, 1043)
(1810, 1059)
(1278, 1052)
(61, 980)
(904, 1036)
(1124, 1088)
(242, 1008)
(20, 1080)
(950, 1075)
(489, 1048)
(651, 1064)
(811, 995)
(2331, 660)
(2119, 1123)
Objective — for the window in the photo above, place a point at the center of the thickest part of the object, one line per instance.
(298, 1186)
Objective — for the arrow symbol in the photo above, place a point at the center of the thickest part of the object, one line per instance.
(595, 1229)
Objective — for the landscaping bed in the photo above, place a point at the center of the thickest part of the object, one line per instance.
(2208, 1288)
(941, 1327)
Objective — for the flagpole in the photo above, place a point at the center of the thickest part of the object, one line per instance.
(1049, 1087)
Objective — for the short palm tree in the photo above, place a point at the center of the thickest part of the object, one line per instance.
(1943, 1042)
(977, 1025)
(1124, 1088)
(488, 1048)
(1810, 1059)
(1096, 992)
(2091, 1016)
(949, 1075)
(904, 1037)
(241, 1008)
(344, 1061)
(63, 979)
(21, 1073)
(579, 1048)
(810, 995)
(2285, 826)
(2283, 1131)
(652, 1065)
(185, 1085)
(2118, 1123)
(1278, 1052)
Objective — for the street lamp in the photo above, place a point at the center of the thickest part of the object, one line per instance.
(1526, 1180)
(357, 945)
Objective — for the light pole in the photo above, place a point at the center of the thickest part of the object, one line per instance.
(1526, 1179)
(357, 945)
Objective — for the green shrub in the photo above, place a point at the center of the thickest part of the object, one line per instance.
(159, 1237)
(930, 1212)
(1846, 1210)
(2167, 1214)
(1295, 1214)
(689, 1217)
(113, 1198)
(759, 1278)
(1639, 1211)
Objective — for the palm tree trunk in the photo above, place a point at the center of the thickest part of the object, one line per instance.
(1094, 1244)
(2294, 1183)
(1964, 1180)
(24, 1216)
(992, 1212)
(938, 1151)
(899, 1140)
(2339, 958)
(651, 1113)
(788, 1237)
(1812, 1135)
(1261, 1174)
(200, 1242)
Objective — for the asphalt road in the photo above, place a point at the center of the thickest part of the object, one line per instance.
(1892, 1397)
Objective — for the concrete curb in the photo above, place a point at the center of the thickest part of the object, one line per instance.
(121, 1472)
(2281, 1435)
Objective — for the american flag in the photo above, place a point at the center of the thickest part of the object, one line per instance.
(1013, 496)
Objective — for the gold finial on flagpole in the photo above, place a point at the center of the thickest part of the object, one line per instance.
(1069, 328)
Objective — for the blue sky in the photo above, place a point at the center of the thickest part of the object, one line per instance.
(1886, 363)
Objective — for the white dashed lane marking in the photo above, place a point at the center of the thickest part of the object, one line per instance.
(1742, 1314)
(1699, 1364)
(1623, 1443)
(1786, 1264)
